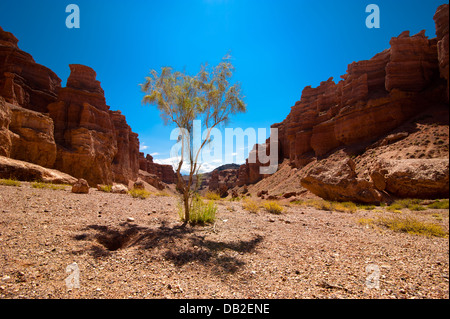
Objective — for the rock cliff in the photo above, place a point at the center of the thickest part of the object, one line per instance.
(70, 129)
(373, 99)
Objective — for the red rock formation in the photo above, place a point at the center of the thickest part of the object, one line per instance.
(441, 19)
(22, 81)
(71, 128)
(373, 98)
(164, 172)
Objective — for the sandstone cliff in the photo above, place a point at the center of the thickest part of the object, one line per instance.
(70, 129)
(372, 100)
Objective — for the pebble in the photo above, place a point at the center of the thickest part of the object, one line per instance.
(130, 219)
(6, 278)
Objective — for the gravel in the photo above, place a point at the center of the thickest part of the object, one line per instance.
(131, 248)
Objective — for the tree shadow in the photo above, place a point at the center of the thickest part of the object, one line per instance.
(181, 246)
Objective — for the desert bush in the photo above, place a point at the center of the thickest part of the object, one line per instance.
(251, 206)
(48, 186)
(201, 213)
(411, 225)
(439, 204)
(9, 182)
(105, 188)
(212, 195)
(139, 193)
(273, 208)
(411, 204)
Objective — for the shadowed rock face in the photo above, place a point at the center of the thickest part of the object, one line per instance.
(71, 128)
(372, 99)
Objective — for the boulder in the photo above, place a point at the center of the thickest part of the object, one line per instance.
(335, 179)
(413, 178)
(81, 186)
(119, 189)
(24, 171)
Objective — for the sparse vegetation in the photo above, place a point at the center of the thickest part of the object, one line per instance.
(406, 224)
(251, 206)
(411, 204)
(105, 188)
(201, 213)
(321, 204)
(9, 182)
(273, 208)
(48, 186)
(212, 195)
(439, 204)
(139, 193)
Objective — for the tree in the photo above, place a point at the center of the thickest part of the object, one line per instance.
(209, 96)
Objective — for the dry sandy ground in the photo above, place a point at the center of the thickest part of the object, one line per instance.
(303, 253)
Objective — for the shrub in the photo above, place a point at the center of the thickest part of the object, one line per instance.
(411, 204)
(201, 213)
(212, 195)
(139, 193)
(347, 207)
(439, 204)
(9, 182)
(250, 205)
(47, 185)
(273, 208)
(105, 188)
(411, 225)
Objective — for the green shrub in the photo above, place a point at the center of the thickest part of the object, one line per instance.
(439, 204)
(411, 204)
(48, 186)
(273, 208)
(105, 188)
(411, 225)
(9, 182)
(139, 193)
(201, 213)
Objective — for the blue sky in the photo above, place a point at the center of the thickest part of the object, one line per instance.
(278, 47)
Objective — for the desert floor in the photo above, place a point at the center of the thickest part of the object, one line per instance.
(302, 253)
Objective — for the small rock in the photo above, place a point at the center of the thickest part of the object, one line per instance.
(130, 219)
(119, 189)
(6, 278)
(80, 187)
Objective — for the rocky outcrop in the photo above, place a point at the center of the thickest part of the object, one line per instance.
(222, 180)
(23, 81)
(24, 171)
(441, 19)
(84, 131)
(164, 173)
(372, 99)
(71, 128)
(335, 179)
(5, 136)
(413, 178)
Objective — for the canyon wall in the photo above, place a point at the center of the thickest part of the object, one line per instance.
(70, 129)
(372, 99)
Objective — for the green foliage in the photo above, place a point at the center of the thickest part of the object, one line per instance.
(48, 186)
(209, 96)
(9, 182)
(201, 213)
(439, 204)
(411, 225)
(321, 204)
(139, 193)
(273, 208)
(411, 204)
(105, 188)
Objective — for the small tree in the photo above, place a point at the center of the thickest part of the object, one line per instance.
(209, 96)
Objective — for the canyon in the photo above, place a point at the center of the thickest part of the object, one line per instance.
(68, 129)
(359, 139)
(378, 134)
